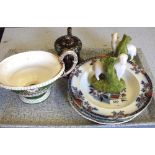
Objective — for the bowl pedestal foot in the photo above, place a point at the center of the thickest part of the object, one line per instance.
(35, 99)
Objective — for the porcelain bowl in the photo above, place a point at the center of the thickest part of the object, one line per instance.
(31, 74)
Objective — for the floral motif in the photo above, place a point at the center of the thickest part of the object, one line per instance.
(146, 86)
(136, 68)
(141, 100)
(106, 97)
(33, 92)
(88, 107)
(118, 114)
(80, 100)
(76, 72)
(78, 93)
(145, 96)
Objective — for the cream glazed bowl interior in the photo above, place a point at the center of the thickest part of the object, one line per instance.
(31, 74)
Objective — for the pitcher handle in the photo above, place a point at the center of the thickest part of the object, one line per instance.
(75, 61)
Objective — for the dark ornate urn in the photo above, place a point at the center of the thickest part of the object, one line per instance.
(68, 42)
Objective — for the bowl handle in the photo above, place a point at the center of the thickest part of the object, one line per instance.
(75, 61)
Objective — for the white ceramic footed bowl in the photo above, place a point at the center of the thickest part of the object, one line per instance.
(31, 74)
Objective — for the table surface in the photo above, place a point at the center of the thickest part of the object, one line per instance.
(19, 39)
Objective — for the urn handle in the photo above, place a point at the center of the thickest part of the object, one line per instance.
(75, 60)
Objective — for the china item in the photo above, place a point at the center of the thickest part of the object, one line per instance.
(86, 113)
(68, 42)
(112, 86)
(31, 74)
(138, 92)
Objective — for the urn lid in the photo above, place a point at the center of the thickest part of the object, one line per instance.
(68, 42)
